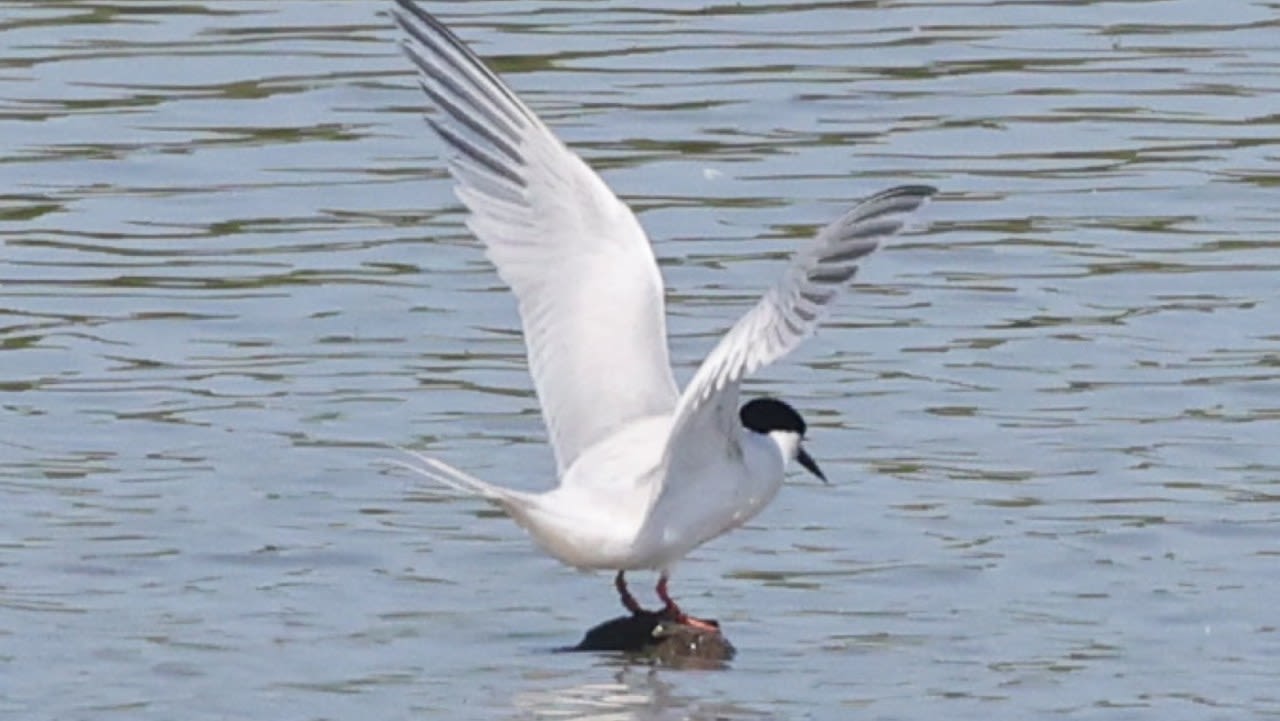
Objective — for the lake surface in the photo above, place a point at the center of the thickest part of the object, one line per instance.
(233, 277)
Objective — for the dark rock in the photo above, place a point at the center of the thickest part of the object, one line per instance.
(660, 637)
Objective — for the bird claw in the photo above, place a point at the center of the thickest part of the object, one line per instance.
(673, 612)
(670, 611)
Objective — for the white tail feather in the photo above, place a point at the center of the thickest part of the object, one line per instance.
(515, 503)
(526, 509)
(573, 537)
(446, 475)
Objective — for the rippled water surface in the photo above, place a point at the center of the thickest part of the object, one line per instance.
(232, 273)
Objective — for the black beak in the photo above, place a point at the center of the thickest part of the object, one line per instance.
(810, 465)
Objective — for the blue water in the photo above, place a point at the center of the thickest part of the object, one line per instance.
(233, 276)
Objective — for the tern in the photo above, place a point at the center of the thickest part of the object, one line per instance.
(646, 472)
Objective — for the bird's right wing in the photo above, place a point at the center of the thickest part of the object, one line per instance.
(581, 267)
(707, 426)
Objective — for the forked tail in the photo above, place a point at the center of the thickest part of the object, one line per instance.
(529, 510)
(570, 534)
(446, 475)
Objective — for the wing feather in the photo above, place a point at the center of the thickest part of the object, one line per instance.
(581, 267)
(787, 314)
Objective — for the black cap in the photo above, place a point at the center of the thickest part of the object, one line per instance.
(765, 415)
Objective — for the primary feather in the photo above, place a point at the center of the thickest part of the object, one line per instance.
(582, 269)
(788, 313)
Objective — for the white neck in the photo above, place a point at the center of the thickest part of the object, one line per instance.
(788, 442)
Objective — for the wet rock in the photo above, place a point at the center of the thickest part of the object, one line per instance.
(661, 638)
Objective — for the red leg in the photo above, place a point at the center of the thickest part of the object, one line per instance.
(671, 609)
(629, 601)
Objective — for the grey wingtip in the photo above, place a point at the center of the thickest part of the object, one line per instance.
(921, 191)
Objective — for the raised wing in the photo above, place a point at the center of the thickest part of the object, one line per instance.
(582, 269)
(786, 315)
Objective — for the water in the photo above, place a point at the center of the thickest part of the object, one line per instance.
(231, 270)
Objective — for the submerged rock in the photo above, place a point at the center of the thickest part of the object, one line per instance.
(660, 637)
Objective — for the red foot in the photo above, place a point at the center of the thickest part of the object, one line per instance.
(671, 609)
(701, 624)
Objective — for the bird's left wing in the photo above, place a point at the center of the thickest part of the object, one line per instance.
(707, 414)
(580, 265)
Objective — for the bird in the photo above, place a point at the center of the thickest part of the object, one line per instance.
(646, 471)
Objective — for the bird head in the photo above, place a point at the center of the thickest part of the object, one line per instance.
(774, 418)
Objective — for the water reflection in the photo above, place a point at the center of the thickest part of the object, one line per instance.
(635, 693)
